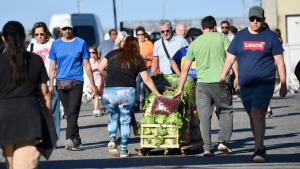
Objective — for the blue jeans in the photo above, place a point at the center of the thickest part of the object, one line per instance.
(56, 111)
(119, 102)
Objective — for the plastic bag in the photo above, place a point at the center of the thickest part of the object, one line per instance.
(166, 105)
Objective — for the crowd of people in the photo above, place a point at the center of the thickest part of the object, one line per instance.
(49, 72)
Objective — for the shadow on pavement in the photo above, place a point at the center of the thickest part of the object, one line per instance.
(88, 126)
(170, 161)
(287, 114)
(240, 143)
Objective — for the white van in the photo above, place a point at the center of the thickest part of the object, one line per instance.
(86, 26)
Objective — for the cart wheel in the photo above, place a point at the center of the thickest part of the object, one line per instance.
(184, 151)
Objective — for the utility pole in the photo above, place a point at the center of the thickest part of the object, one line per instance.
(115, 14)
(78, 6)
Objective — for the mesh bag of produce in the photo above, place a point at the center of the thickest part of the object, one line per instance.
(166, 105)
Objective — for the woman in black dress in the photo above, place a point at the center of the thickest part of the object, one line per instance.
(23, 84)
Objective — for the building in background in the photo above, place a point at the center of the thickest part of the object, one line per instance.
(285, 15)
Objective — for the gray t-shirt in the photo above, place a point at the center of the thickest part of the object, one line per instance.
(105, 47)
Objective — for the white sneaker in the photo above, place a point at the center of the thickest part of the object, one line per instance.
(112, 148)
(97, 113)
(224, 149)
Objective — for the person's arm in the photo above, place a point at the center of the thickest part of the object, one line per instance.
(52, 75)
(149, 82)
(236, 74)
(102, 67)
(279, 60)
(88, 70)
(154, 65)
(174, 67)
(230, 59)
(46, 98)
(183, 76)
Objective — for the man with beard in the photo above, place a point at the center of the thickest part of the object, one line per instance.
(69, 55)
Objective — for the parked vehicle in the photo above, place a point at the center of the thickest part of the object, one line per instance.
(86, 26)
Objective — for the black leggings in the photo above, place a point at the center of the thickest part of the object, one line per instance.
(71, 100)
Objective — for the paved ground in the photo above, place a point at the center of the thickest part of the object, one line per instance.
(282, 141)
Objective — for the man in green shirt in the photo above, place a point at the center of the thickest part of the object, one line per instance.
(209, 51)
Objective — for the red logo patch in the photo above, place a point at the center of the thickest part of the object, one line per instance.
(254, 45)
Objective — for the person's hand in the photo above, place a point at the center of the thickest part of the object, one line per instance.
(178, 93)
(158, 94)
(222, 83)
(283, 90)
(236, 85)
(94, 90)
(51, 90)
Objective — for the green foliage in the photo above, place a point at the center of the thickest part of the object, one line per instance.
(159, 119)
(147, 120)
(157, 141)
(147, 131)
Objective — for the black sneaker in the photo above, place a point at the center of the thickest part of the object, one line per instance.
(259, 156)
(77, 143)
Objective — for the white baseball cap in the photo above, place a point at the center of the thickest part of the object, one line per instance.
(66, 23)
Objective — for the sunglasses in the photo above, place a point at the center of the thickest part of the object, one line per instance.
(253, 18)
(140, 34)
(165, 31)
(92, 52)
(66, 28)
(39, 34)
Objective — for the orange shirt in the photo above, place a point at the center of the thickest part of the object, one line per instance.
(146, 50)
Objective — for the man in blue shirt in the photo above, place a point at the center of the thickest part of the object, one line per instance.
(68, 56)
(256, 48)
(108, 45)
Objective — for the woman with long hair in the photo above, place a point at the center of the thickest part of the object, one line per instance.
(98, 78)
(23, 81)
(123, 65)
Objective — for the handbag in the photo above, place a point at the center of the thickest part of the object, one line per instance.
(65, 85)
(49, 135)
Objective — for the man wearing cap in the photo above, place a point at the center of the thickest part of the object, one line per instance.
(256, 49)
(69, 54)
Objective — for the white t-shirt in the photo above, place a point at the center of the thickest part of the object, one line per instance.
(173, 45)
(42, 50)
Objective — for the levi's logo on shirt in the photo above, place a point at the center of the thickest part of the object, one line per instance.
(254, 45)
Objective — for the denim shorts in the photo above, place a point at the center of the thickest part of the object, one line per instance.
(257, 96)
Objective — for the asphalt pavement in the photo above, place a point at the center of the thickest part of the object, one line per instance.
(282, 141)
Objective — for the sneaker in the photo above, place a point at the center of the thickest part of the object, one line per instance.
(69, 144)
(112, 148)
(224, 149)
(124, 153)
(73, 144)
(77, 144)
(208, 153)
(259, 156)
(97, 113)
(269, 114)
